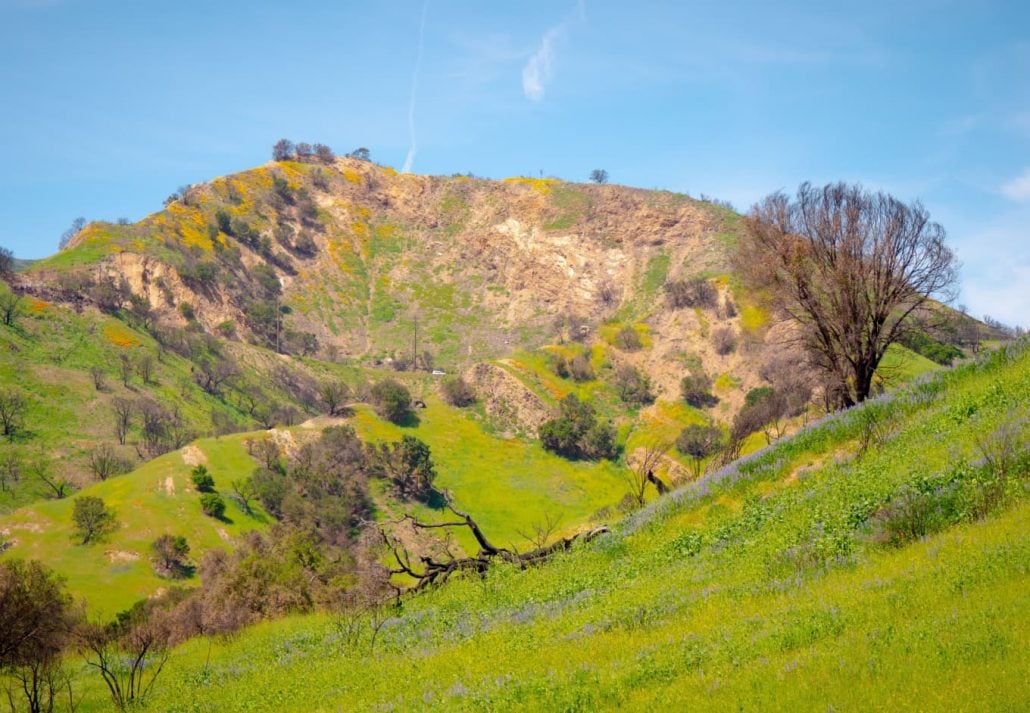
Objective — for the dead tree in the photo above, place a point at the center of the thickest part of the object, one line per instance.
(851, 268)
(642, 472)
(429, 569)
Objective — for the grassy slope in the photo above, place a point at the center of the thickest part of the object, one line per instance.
(49, 353)
(155, 499)
(508, 484)
(757, 591)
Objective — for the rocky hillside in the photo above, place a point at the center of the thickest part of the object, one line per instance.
(371, 265)
(507, 282)
(361, 251)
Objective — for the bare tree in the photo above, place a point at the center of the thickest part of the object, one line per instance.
(40, 467)
(641, 472)
(243, 493)
(212, 374)
(129, 657)
(542, 529)
(850, 267)
(125, 368)
(37, 617)
(73, 230)
(335, 394)
(599, 176)
(10, 307)
(13, 405)
(123, 412)
(6, 263)
(99, 377)
(437, 567)
(324, 153)
(104, 462)
(282, 150)
(145, 367)
(10, 468)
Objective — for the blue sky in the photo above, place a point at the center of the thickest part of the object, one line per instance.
(109, 106)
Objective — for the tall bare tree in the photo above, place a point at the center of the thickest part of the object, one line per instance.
(850, 267)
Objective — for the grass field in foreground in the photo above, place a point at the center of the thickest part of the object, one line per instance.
(763, 587)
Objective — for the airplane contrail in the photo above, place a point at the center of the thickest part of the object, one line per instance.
(414, 87)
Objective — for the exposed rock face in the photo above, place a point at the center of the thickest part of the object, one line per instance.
(354, 254)
(484, 264)
(506, 399)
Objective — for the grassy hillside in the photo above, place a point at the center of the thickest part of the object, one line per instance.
(509, 483)
(774, 583)
(156, 499)
(53, 356)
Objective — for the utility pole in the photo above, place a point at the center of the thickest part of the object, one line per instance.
(414, 348)
(278, 323)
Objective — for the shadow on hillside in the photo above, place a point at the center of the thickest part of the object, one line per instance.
(410, 420)
(436, 500)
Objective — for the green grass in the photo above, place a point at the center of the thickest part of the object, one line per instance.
(763, 590)
(901, 365)
(649, 286)
(508, 484)
(49, 354)
(155, 499)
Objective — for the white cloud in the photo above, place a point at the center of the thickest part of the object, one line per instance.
(1018, 189)
(413, 144)
(538, 70)
(536, 74)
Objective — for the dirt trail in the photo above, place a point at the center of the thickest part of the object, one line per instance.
(121, 555)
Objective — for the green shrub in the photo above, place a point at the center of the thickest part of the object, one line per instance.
(169, 553)
(391, 401)
(558, 365)
(757, 395)
(699, 443)
(212, 505)
(92, 518)
(203, 481)
(576, 432)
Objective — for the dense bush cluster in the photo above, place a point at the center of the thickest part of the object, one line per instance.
(578, 433)
(391, 401)
(696, 390)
